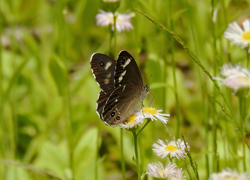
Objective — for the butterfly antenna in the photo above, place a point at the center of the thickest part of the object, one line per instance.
(149, 91)
(149, 78)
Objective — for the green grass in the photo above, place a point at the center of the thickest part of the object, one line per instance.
(48, 125)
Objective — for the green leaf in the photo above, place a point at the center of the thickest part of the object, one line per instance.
(16, 173)
(14, 77)
(85, 154)
(53, 157)
(59, 73)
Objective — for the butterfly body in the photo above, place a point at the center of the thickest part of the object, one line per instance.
(121, 86)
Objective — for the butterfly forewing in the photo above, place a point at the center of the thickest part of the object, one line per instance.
(127, 71)
(103, 68)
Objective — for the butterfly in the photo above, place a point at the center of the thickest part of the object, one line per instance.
(121, 84)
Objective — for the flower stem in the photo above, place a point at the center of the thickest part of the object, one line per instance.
(121, 130)
(148, 121)
(110, 41)
(136, 155)
(215, 67)
(242, 102)
(1, 79)
(97, 153)
(203, 92)
(248, 57)
(122, 154)
(174, 71)
(60, 24)
(114, 35)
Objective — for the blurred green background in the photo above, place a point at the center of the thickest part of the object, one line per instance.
(48, 93)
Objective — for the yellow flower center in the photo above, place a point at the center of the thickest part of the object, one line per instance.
(118, 20)
(131, 119)
(230, 178)
(170, 148)
(246, 35)
(243, 83)
(149, 111)
(111, 1)
(243, 79)
(161, 173)
(111, 18)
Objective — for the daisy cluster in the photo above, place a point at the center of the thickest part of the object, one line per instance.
(173, 149)
(228, 174)
(107, 19)
(237, 77)
(238, 35)
(145, 113)
(169, 171)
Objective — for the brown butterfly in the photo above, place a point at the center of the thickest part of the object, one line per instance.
(121, 86)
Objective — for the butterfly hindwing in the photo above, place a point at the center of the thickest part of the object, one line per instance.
(121, 104)
(127, 94)
(101, 102)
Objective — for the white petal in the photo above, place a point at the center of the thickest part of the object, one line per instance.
(246, 25)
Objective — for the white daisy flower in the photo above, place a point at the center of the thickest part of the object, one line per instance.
(111, 1)
(235, 78)
(178, 174)
(122, 20)
(132, 121)
(157, 170)
(228, 174)
(154, 114)
(173, 148)
(239, 36)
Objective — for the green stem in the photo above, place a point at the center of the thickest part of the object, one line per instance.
(12, 130)
(224, 11)
(67, 94)
(97, 153)
(148, 121)
(192, 163)
(137, 155)
(1, 77)
(188, 170)
(174, 72)
(206, 136)
(215, 155)
(114, 48)
(114, 33)
(67, 98)
(122, 154)
(2, 124)
(29, 168)
(110, 41)
(203, 92)
(248, 57)
(242, 103)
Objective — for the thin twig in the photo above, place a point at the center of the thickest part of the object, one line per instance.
(9, 162)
